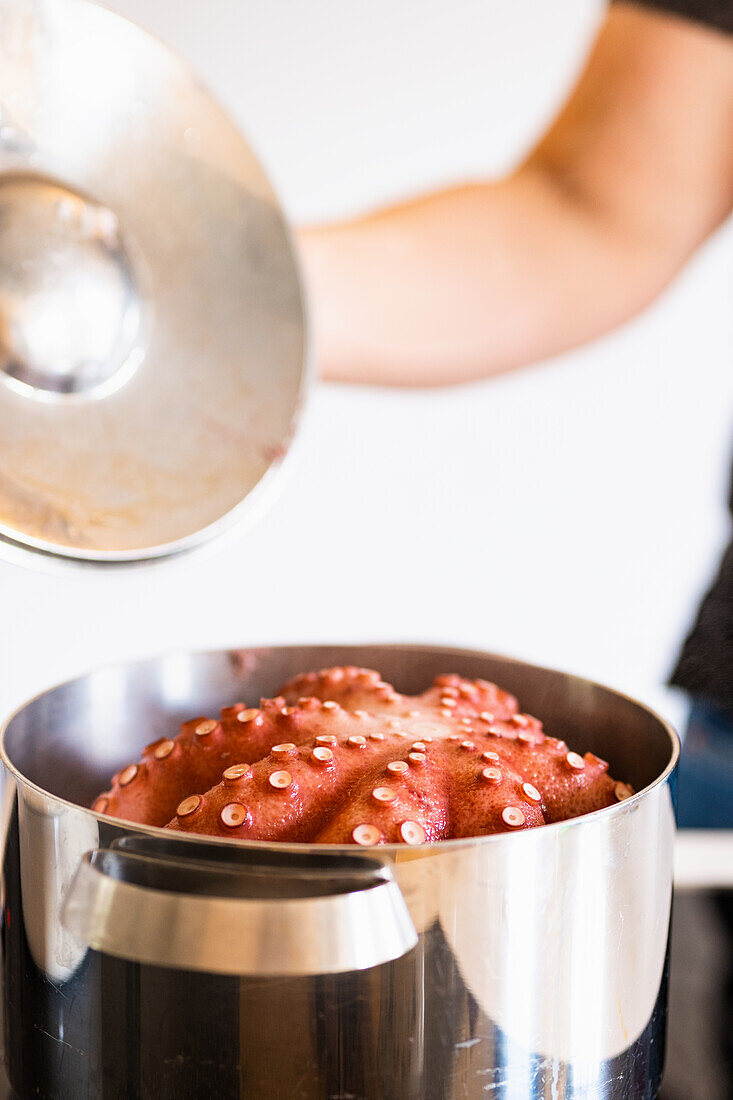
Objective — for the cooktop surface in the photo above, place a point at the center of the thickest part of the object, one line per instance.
(700, 1035)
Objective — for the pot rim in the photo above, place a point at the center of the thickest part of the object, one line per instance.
(396, 852)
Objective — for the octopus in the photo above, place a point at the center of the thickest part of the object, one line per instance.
(341, 757)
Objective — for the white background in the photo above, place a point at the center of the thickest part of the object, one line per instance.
(570, 515)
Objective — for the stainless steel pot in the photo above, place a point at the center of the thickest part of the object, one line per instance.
(517, 966)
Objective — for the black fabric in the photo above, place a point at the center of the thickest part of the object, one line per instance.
(714, 13)
(705, 666)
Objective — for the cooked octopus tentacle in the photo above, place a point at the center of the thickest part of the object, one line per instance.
(341, 757)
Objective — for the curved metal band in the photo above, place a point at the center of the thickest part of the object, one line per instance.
(211, 926)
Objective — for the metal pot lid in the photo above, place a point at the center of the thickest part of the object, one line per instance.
(152, 335)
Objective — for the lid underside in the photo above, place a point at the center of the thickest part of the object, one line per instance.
(152, 343)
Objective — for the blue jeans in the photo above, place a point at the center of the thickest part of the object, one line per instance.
(705, 775)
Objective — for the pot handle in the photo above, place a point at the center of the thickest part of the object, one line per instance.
(244, 917)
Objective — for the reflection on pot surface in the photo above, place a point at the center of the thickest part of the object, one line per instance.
(143, 963)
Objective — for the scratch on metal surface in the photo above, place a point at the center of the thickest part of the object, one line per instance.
(55, 1038)
(619, 1008)
(465, 1044)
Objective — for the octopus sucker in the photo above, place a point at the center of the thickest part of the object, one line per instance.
(341, 757)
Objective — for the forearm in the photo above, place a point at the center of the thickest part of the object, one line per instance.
(636, 171)
(469, 283)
